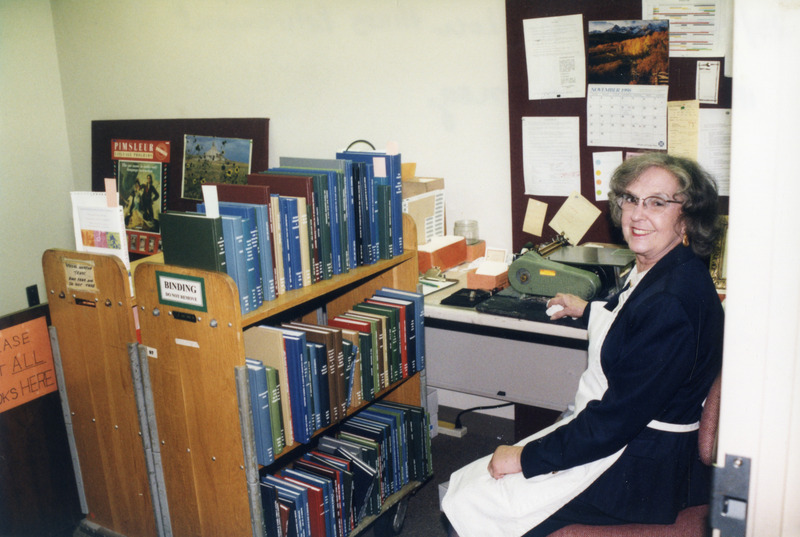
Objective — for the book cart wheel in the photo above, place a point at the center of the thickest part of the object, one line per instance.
(391, 523)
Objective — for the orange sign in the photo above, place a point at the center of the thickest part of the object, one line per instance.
(26, 363)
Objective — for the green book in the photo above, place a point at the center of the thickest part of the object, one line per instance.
(193, 240)
(276, 416)
(384, 194)
(393, 326)
(380, 361)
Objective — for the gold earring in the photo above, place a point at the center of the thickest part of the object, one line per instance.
(685, 239)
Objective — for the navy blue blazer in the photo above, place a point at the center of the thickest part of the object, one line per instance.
(660, 356)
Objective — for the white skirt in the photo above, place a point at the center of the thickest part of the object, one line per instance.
(478, 505)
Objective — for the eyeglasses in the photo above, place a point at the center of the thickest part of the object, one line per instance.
(651, 204)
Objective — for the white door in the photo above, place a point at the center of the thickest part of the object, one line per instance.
(761, 374)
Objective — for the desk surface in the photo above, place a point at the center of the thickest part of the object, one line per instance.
(435, 310)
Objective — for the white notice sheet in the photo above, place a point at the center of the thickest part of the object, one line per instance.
(714, 146)
(551, 155)
(555, 57)
(627, 116)
(697, 29)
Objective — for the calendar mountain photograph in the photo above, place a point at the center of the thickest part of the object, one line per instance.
(628, 52)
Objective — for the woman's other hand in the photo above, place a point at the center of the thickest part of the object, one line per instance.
(506, 460)
(573, 306)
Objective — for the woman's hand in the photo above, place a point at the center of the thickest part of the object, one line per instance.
(574, 306)
(506, 460)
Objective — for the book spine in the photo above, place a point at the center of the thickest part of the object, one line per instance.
(276, 416)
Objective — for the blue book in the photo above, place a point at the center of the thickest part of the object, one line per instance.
(260, 401)
(349, 351)
(387, 426)
(388, 171)
(271, 508)
(321, 365)
(257, 197)
(396, 440)
(251, 256)
(279, 217)
(327, 493)
(373, 193)
(336, 213)
(377, 194)
(378, 433)
(345, 480)
(299, 383)
(419, 316)
(311, 353)
(296, 496)
(311, 187)
(363, 212)
(264, 242)
(233, 235)
(344, 170)
(402, 429)
(291, 228)
(250, 227)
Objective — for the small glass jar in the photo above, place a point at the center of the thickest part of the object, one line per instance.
(467, 229)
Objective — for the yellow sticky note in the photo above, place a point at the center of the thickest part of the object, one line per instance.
(575, 217)
(534, 217)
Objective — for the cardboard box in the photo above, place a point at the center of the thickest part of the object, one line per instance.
(490, 278)
(444, 252)
(413, 186)
(475, 251)
(427, 210)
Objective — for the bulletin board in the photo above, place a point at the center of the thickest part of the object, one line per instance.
(174, 130)
(682, 86)
(175, 156)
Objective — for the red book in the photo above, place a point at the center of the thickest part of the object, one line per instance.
(316, 506)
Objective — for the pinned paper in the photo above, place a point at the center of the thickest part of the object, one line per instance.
(211, 201)
(534, 217)
(575, 217)
(379, 166)
(683, 121)
(707, 85)
(111, 192)
(605, 162)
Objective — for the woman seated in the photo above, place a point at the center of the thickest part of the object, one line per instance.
(628, 454)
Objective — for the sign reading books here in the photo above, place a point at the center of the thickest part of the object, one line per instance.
(26, 363)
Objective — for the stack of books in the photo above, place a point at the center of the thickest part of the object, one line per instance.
(349, 476)
(294, 225)
(324, 371)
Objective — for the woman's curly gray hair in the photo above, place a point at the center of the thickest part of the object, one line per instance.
(697, 189)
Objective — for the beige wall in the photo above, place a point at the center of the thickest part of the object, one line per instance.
(35, 168)
(429, 75)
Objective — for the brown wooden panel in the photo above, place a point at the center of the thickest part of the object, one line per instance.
(407, 392)
(94, 328)
(193, 356)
